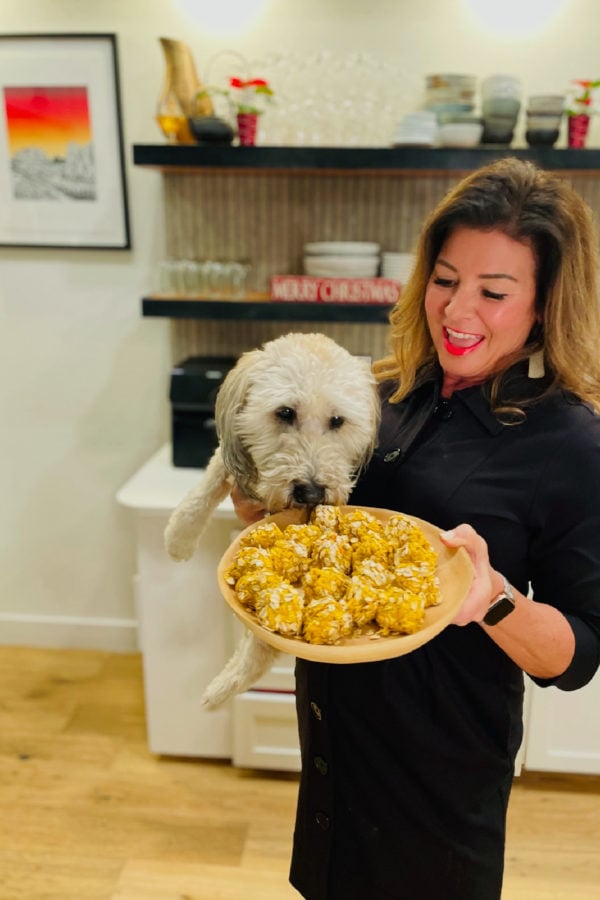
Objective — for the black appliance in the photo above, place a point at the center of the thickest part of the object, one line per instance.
(193, 391)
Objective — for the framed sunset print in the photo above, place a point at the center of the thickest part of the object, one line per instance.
(62, 174)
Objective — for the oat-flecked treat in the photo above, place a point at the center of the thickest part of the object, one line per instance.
(264, 535)
(326, 621)
(280, 608)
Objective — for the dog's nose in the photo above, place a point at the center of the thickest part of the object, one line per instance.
(308, 494)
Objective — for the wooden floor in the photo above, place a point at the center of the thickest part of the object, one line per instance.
(87, 813)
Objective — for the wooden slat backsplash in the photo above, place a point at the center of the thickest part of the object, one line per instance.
(232, 337)
(266, 218)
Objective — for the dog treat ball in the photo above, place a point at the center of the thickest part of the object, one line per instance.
(289, 558)
(326, 621)
(248, 558)
(249, 585)
(264, 535)
(334, 550)
(280, 608)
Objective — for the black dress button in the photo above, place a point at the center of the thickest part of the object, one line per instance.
(321, 765)
(444, 410)
(316, 710)
(322, 820)
(392, 455)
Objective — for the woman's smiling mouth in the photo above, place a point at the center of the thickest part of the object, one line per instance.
(459, 342)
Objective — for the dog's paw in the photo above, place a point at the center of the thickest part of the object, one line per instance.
(179, 547)
(180, 556)
(179, 553)
(216, 693)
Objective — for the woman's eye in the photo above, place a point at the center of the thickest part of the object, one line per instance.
(336, 422)
(443, 282)
(491, 295)
(286, 414)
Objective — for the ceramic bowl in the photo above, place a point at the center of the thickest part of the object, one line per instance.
(460, 134)
(542, 137)
(450, 80)
(341, 266)
(542, 122)
(211, 130)
(498, 129)
(444, 111)
(500, 106)
(341, 248)
(546, 103)
(455, 91)
(501, 86)
(493, 134)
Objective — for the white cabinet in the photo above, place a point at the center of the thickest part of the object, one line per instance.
(187, 632)
(563, 729)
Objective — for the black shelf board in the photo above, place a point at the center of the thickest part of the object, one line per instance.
(173, 308)
(383, 159)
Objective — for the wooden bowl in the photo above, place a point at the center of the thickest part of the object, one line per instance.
(454, 570)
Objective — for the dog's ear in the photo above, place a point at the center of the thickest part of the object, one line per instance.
(370, 405)
(231, 398)
(374, 419)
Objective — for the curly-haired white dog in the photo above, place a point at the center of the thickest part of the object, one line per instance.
(296, 421)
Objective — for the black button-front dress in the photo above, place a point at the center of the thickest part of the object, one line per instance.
(407, 764)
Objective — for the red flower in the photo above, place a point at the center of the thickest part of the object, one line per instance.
(588, 86)
(251, 82)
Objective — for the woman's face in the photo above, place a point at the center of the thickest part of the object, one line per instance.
(480, 303)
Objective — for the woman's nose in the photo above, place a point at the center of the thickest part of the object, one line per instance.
(462, 301)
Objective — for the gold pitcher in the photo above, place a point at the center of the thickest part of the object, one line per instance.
(177, 101)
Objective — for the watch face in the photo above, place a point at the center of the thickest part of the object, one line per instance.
(499, 609)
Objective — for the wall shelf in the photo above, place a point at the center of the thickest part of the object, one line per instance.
(376, 160)
(264, 310)
(272, 219)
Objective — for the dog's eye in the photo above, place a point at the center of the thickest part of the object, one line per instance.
(336, 422)
(286, 414)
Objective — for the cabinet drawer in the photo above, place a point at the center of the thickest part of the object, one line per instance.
(265, 733)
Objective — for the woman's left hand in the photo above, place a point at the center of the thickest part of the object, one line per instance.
(487, 583)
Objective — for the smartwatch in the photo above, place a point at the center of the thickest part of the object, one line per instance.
(501, 606)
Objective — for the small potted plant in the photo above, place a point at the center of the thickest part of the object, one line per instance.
(580, 110)
(246, 97)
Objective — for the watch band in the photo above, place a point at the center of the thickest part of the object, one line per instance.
(501, 606)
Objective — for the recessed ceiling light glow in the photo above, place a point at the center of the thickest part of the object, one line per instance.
(515, 18)
(222, 17)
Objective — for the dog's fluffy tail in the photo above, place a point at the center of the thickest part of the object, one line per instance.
(251, 661)
(190, 518)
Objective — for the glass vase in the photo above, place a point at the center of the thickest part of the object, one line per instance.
(180, 87)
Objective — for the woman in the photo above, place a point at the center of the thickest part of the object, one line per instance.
(489, 430)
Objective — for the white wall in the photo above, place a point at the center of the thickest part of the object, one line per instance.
(84, 378)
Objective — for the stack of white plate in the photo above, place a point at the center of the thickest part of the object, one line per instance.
(397, 266)
(450, 94)
(417, 129)
(341, 259)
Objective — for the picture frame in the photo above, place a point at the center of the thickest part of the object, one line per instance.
(62, 169)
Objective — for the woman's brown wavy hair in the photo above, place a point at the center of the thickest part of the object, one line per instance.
(542, 210)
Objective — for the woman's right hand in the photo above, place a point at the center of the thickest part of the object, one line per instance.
(247, 510)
